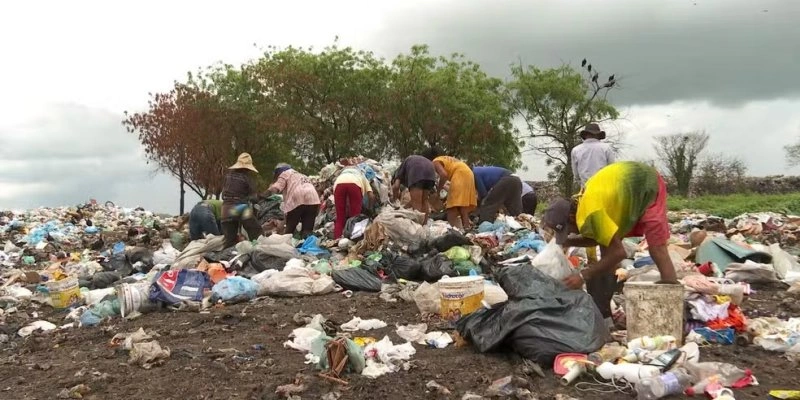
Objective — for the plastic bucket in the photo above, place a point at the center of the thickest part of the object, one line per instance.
(134, 298)
(654, 310)
(64, 293)
(460, 296)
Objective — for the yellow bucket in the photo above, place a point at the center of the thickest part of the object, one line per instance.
(460, 296)
(64, 293)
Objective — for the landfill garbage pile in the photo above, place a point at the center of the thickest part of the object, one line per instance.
(494, 289)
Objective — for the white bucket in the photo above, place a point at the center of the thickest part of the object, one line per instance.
(654, 310)
(460, 296)
(134, 298)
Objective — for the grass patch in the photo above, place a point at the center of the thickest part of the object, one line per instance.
(737, 204)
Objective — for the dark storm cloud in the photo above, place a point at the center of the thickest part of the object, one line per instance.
(72, 153)
(724, 51)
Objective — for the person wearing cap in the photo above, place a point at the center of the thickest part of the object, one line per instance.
(591, 155)
(418, 174)
(529, 200)
(237, 193)
(300, 199)
(204, 219)
(623, 199)
(349, 191)
(462, 198)
(497, 188)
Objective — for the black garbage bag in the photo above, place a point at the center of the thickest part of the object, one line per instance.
(217, 256)
(141, 255)
(540, 320)
(401, 266)
(118, 263)
(449, 240)
(372, 266)
(268, 208)
(350, 224)
(261, 261)
(105, 279)
(433, 268)
(357, 279)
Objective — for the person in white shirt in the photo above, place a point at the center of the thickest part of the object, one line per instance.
(529, 200)
(591, 155)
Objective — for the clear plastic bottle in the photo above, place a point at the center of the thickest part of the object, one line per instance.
(726, 374)
(668, 383)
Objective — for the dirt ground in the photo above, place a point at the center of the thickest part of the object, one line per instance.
(236, 352)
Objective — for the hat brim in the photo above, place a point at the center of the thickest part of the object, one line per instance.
(601, 135)
(243, 166)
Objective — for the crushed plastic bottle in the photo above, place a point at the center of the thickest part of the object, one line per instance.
(707, 373)
(666, 384)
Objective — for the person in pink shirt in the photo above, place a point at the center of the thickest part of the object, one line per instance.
(300, 199)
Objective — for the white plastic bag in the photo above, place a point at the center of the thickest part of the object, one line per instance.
(785, 264)
(358, 324)
(428, 298)
(751, 272)
(294, 282)
(553, 262)
(493, 294)
(403, 226)
(277, 245)
(166, 254)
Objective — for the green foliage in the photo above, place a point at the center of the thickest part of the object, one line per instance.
(679, 154)
(556, 104)
(732, 205)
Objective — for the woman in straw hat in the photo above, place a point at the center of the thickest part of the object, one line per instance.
(237, 193)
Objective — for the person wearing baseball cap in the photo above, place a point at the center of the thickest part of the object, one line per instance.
(623, 199)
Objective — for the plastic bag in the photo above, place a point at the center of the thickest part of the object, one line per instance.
(751, 272)
(402, 226)
(261, 261)
(553, 262)
(458, 253)
(234, 290)
(357, 279)
(401, 266)
(783, 262)
(276, 245)
(293, 282)
(449, 240)
(355, 226)
(176, 286)
(427, 298)
(311, 246)
(493, 294)
(540, 320)
(434, 268)
(166, 254)
(102, 280)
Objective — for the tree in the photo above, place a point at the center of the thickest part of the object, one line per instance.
(792, 154)
(680, 154)
(720, 174)
(555, 105)
(451, 104)
(329, 102)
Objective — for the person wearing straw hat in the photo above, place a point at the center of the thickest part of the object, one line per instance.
(300, 199)
(237, 193)
(591, 155)
(623, 199)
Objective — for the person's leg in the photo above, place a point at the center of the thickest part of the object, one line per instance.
(355, 199)
(601, 288)
(464, 212)
(340, 203)
(454, 217)
(208, 222)
(230, 229)
(487, 212)
(512, 188)
(417, 200)
(253, 228)
(656, 230)
(308, 218)
(195, 225)
(292, 219)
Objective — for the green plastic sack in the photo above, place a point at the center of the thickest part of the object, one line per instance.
(457, 253)
(464, 267)
(323, 267)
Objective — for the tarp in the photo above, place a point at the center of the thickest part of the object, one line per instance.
(723, 252)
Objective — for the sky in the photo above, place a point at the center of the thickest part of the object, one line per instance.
(71, 69)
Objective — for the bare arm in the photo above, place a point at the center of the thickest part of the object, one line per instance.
(580, 241)
(443, 177)
(611, 256)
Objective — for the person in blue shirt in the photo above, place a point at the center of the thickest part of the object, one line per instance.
(497, 188)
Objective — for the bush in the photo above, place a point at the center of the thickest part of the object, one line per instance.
(720, 174)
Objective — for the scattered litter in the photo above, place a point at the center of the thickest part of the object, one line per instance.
(357, 324)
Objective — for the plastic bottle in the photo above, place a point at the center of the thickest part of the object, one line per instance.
(652, 343)
(609, 353)
(630, 372)
(726, 374)
(669, 383)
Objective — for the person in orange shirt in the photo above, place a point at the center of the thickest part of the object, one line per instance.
(462, 197)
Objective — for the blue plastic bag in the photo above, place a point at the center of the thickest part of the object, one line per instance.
(311, 246)
(91, 230)
(176, 286)
(719, 336)
(235, 289)
(529, 242)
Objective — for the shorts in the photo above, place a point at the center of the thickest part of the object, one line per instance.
(424, 184)
(653, 224)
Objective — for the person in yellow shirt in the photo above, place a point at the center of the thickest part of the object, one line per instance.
(622, 199)
(462, 197)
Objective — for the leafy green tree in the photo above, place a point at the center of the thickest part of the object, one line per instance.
(451, 104)
(555, 104)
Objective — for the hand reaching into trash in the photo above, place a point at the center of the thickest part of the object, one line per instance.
(574, 281)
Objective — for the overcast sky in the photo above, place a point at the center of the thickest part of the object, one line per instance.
(71, 68)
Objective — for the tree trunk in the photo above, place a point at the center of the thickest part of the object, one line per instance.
(183, 191)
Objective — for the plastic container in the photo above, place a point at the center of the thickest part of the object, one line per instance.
(632, 373)
(95, 296)
(650, 343)
(64, 293)
(654, 310)
(134, 298)
(663, 385)
(460, 296)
